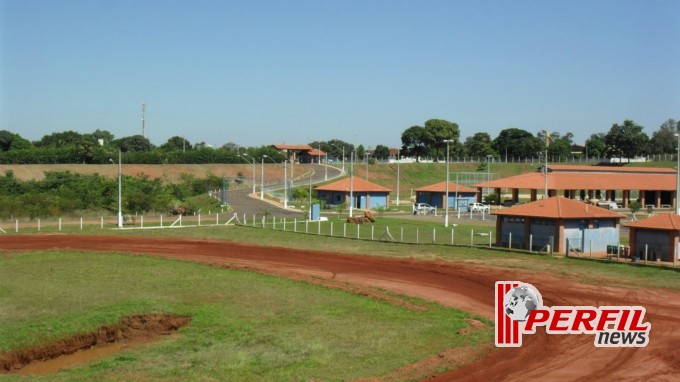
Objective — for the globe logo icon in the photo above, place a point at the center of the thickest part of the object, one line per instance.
(520, 301)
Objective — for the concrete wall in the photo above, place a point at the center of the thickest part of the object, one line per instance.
(657, 243)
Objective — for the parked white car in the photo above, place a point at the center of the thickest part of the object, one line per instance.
(607, 204)
(479, 207)
(423, 209)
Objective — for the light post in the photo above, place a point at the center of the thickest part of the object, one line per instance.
(325, 177)
(351, 183)
(120, 190)
(253, 163)
(489, 158)
(366, 155)
(398, 152)
(677, 183)
(262, 178)
(446, 196)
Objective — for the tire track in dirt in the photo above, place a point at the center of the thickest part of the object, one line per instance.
(464, 286)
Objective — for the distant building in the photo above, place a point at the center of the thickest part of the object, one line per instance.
(433, 195)
(557, 220)
(366, 194)
(659, 235)
(301, 153)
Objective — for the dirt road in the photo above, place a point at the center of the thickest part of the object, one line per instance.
(464, 286)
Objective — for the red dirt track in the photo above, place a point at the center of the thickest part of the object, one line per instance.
(464, 286)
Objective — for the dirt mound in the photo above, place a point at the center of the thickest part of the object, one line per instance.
(140, 327)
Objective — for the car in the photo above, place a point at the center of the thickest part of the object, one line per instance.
(608, 205)
(479, 207)
(423, 209)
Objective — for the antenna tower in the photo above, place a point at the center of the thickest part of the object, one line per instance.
(143, 121)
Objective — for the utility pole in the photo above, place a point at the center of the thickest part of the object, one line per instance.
(143, 119)
(398, 153)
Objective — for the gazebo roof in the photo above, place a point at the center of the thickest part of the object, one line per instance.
(360, 185)
(558, 207)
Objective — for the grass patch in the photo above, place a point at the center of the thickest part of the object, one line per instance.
(245, 326)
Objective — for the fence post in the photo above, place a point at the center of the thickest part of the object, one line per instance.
(401, 238)
(358, 231)
(59, 224)
(306, 226)
(344, 229)
(274, 223)
(199, 220)
(253, 220)
(38, 225)
(552, 245)
(331, 228)
(472, 237)
(489, 239)
(295, 225)
(101, 225)
(161, 220)
(451, 236)
(217, 218)
(264, 220)
(434, 235)
(569, 247)
(531, 242)
(180, 220)
(618, 251)
(245, 220)
(81, 223)
(372, 229)
(284, 224)
(17, 225)
(645, 253)
(142, 221)
(417, 236)
(590, 245)
(318, 231)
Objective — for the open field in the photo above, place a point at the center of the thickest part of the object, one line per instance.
(244, 325)
(464, 281)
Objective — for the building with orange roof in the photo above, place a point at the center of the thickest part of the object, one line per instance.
(459, 196)
(366, 194)
(557, 221)
(658, 236)
(654, 187)
(301, 153)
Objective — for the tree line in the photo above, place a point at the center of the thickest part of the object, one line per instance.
(67, 193)
(627, 140)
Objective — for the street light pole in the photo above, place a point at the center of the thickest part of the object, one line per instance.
(120, 191)
(351, 183)
(253, 163)
(262, 178)
(285, 184)
(677, 184)
(326, 167)
(398, 152)
(446, 196)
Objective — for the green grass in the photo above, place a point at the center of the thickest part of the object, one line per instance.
(245, 326)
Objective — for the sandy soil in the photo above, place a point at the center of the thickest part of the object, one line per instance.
(464, 286)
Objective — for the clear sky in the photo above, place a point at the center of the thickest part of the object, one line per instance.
(260, 72)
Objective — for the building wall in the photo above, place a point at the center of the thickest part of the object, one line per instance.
(657, 242)
(541, 231)
(515, 226)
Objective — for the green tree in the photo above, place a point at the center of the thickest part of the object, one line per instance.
(11, 141)
(479, 145)
(437, 131)
(559, 148)
(176, 143)
(517, 143)
(595, 146)
(59, 140)
(381, 152)
(359, 154)
(413, 142)
(135, 143)
(626, 140)
(664, 141)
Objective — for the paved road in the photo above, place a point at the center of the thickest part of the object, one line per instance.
(241, 203)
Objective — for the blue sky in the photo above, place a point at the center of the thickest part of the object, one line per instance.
(262, 72)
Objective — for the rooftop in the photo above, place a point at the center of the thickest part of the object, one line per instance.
(360, 185)
(558, 207)
(669, 222)
(587, 181)
(441, 187)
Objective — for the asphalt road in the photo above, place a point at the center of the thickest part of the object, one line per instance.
(241, 203)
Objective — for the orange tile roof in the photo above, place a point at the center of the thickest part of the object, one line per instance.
(615, 169)
(292, 147)
(590, 181)
(669, 222)
(558, 207)
(441, 187)
(316, 153)
(360, 185)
